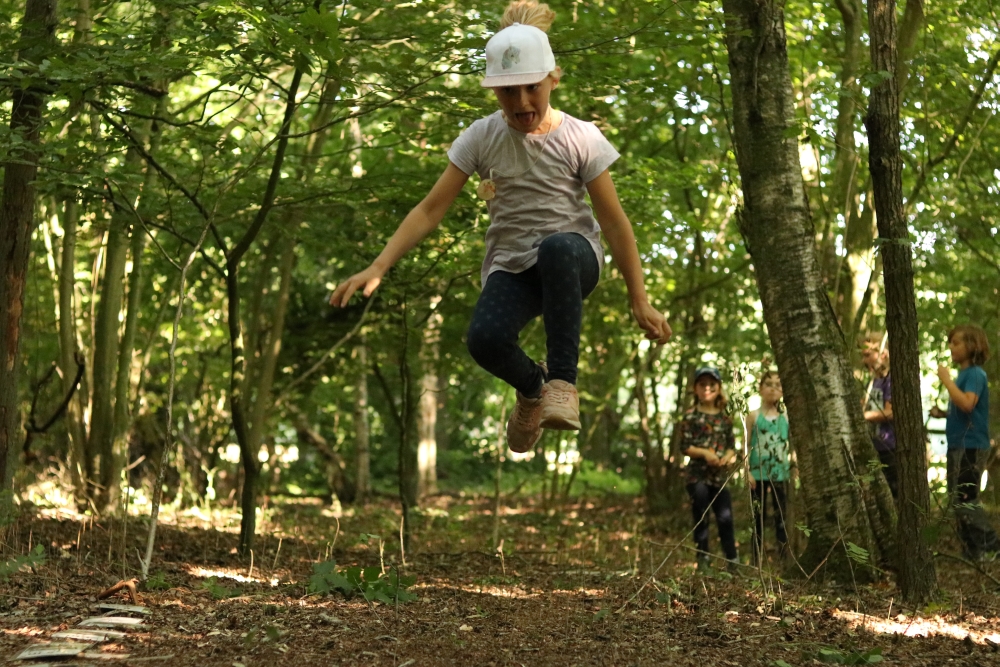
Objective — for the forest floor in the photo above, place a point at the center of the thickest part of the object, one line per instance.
(575, 586)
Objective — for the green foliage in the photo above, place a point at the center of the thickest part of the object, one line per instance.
(857, 554)
(19, 563)
(369, 582)
(158, 582)
(218, 591)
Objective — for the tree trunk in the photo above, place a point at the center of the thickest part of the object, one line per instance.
(268, 362)
(107, 345)
(427, 411)
(68, 350)
(362, 459)
(237, 398)
(17, 219)
(917, 577)
(823, 407)
(656, 492)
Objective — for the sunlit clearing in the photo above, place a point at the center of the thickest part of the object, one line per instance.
(919, 627)
(223, 573)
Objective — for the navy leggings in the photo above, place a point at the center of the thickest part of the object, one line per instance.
(565, 273)
(705, 496)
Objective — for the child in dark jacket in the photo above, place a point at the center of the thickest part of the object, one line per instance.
(708, 442)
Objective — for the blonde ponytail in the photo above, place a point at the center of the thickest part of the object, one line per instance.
(528, 12)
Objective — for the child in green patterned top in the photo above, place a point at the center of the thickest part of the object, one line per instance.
(769, 462)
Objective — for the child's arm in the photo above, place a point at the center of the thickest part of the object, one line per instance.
(883, 415)
(421, 221)
(964, 400)
(618, 231)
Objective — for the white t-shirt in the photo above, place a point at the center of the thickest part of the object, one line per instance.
(540, 185)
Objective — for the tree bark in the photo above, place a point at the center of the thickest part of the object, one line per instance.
(917, 577)
(68, 350)
(852, 277)
(362, 457)
(824, 413)
(17, 219)
(427, 411)
(106, 344)
(237, 398)
(656, 491)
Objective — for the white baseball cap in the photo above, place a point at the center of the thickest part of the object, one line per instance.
(518, 55)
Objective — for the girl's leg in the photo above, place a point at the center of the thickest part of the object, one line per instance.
(568, 271)
(975, 527)
(701, 500)
(722, 505)
(508, 302)
(890, 469)
(757, 498)
(780, 507)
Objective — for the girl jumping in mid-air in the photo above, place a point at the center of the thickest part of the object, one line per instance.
(543, 248)
(769, 462)
(708, 442)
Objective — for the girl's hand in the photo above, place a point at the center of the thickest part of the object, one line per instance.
(753, 483)
(369, 279)
(944, 373)
(938, 413)
(652, 322)
(711, 459)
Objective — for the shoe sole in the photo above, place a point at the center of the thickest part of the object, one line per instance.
(528, 448)
(560, 424)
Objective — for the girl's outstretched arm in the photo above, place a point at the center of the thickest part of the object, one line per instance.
(421, 221)
(618, 231)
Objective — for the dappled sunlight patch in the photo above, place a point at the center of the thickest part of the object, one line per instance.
(586, 592)
(498, 591)
(229, 573)
(924, 627)
(27, 631)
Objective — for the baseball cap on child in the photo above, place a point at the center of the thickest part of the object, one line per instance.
(709, 371)
(518, 55)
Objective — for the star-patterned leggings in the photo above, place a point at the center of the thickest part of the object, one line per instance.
(555, 287)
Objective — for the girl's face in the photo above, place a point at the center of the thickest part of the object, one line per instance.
(526, 106)
(959, 350)
(770, 389)
(707, 389)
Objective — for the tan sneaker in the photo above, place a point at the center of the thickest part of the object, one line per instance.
(560, 406)
(523, 430)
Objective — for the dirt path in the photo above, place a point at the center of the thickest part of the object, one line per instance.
(561, 596)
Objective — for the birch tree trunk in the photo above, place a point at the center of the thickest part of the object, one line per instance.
(427, 410)
(917, 577)
(824, 413)
(68, 351)
(17, 219)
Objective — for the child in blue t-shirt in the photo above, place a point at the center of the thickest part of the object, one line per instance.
(967, 430)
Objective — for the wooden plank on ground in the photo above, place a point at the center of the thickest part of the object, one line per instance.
(127, 608)
(110, 621)
(89, 635)
(57, 650)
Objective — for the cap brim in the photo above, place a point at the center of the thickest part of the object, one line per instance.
(521, 79)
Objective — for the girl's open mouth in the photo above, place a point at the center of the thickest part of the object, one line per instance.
(525, 119)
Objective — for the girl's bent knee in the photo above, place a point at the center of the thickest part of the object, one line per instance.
(482, 344)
